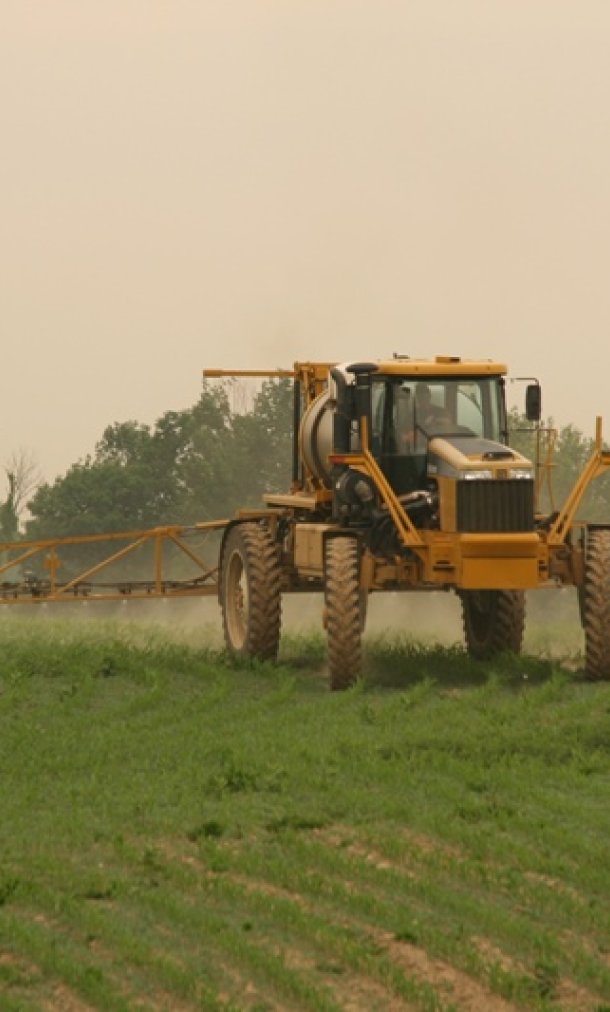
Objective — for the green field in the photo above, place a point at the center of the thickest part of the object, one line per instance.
(178, 832)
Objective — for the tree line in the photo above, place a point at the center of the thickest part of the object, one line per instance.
(198, 464)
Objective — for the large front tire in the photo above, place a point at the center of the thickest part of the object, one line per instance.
(494, 621)
(595, 605)
(344, 611)
(250, 589)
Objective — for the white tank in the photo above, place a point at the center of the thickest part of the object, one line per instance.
(316, 436)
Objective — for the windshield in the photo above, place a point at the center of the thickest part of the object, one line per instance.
(408, 412)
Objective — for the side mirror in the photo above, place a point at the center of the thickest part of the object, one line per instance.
(533, 402)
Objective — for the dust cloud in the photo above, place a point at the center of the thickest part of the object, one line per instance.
(431, 618)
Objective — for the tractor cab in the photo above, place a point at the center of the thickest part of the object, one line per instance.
(409, 411)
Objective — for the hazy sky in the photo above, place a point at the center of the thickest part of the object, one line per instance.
(249, 182)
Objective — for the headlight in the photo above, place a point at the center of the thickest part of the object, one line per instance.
(483, 475)
(521, 473)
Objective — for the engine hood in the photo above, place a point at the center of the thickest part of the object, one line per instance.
(450, 454)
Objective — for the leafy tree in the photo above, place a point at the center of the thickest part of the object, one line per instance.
(192, 465)
(264, 442)
(233, 459)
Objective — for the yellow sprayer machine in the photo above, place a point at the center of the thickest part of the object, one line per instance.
(402, 479)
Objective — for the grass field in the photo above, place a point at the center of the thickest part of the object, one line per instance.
(177, 832)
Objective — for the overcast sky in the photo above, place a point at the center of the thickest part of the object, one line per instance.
(244, 183)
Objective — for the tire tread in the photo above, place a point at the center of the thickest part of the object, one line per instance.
(343, 611)
(504, 630)
(596, 605)
(263, 573)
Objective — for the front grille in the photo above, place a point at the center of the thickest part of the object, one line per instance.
(497, 505)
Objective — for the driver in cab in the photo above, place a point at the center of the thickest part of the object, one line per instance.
(418, 418)
(430, 417)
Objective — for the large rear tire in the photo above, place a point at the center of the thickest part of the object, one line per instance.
(250, 586)
(344, 611)
(493, 621)
(595, 605)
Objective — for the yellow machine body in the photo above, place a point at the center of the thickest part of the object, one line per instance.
(439, 556)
